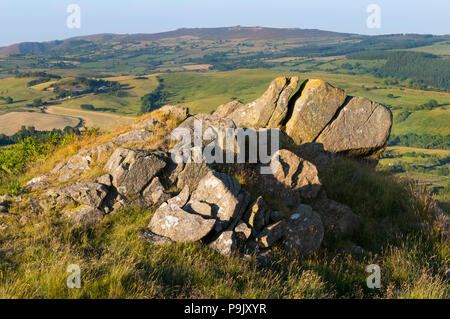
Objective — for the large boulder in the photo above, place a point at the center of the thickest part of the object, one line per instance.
(362, 128)
(258, 113)
(313, 110)
(132, 170)
(173, 222)
(304, 231)
(226, 109)
(296, 176)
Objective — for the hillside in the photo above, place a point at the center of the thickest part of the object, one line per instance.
(140, 224)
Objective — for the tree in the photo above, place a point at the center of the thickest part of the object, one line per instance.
(37, 102)
(9, 100)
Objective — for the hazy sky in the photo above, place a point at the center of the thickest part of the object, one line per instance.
(42, 20)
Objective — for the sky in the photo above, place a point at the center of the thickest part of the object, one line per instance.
(46, 20)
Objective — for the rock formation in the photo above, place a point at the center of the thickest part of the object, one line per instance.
(200, 201)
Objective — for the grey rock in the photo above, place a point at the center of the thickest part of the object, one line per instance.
(153, 238)
(154, 193)
(304, 231)
(338, 219)
(271, 234)
(132, 169)
(223, 193)
(244, 229)
(256, 215)
(90, 193)
(181, 199)
(84, 216)
(105, 180)
(228, 243)
(175, 223)
(135, 136)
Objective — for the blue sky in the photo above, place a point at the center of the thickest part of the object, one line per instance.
(43, 20)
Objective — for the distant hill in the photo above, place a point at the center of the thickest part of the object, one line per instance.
(225, 33)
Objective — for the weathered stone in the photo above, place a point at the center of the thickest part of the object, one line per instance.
(296, 174)
(173, 222)
(135, 136)
(243, 228)
(228, 243)
(313, 110)
(153, 238)
(256, 215)
(76, 165)
(38, 182)
(105, 180)
(154, 193)
(55, 199)
(263, 257)
(181, 199)
(362, 128)
(271, 234)
(209, 128)
(103, 150)
(178, 112)
(91, 194)
(223, 193)
(192, 174)
(226, 109)
(304, 231)
(132, 170)
(258, 113)
(281, 109)
(84, 215)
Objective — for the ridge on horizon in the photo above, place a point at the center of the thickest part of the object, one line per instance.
(213, 33)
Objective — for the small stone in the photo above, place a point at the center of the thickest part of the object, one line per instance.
(271, 234)
(243, 228)
(181, 199)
